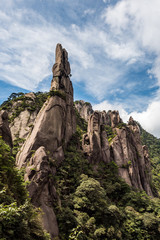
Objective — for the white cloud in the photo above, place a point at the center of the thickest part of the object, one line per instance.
(27, 43)
(135, 24)
(100, 54)
(105, 105)
(149, 119)
(27, 50)
(89, 11)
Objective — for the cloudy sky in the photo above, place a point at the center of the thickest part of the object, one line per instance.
(113, 46)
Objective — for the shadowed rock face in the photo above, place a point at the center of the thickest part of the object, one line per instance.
(95, 143)
(125, 148)
(4, 128)
(53, 128)
(41, 189)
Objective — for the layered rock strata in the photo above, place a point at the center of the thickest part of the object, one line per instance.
(53, 128)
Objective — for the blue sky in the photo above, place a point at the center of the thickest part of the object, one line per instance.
(113, 49)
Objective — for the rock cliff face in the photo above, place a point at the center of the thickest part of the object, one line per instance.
(4, 128)
(53, 128)
(48, 131)
(21, 123)
(125, 148)
(21, 126)
(84, 109)
(95, 143)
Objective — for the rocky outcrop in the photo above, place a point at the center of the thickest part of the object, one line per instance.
(22, 119)
(142, 161)
(95, 144)
(55, 123)
(84, 109)
(22, 125)
(53, 128)
(41, 189)
(4, 128)
(125, 148)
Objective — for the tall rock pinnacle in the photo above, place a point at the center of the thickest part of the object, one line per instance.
(61, 66)
(61, 72)
(54, 126)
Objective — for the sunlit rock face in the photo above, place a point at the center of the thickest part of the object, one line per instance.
(125, 148)
(53, 128)
(84, 109)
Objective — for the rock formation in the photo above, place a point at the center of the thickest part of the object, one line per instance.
(125, 148)
(55, 123)
(21, 125)
(84, 109)
(48, 133)
(41, 189)
(53, 128)
(4, 128)
(95, 143)
(113, 118)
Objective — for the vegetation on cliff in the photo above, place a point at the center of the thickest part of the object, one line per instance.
(95, 203)
(18, 102)
(92, 202)
(18, 219)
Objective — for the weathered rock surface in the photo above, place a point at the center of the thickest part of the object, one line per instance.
(22, 125)
(112, 118)
(95, 143)
(84, 109)
(53, 128)
(41, 189)
(61, 66)
(4, 128)
(55, 123)
(125, 148)
(142, 159)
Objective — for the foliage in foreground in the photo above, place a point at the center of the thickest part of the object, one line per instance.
(100, 205)
(18, 219)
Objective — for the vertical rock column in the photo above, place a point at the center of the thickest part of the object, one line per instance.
(55, 123)
(53, 128)
(95, 143)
